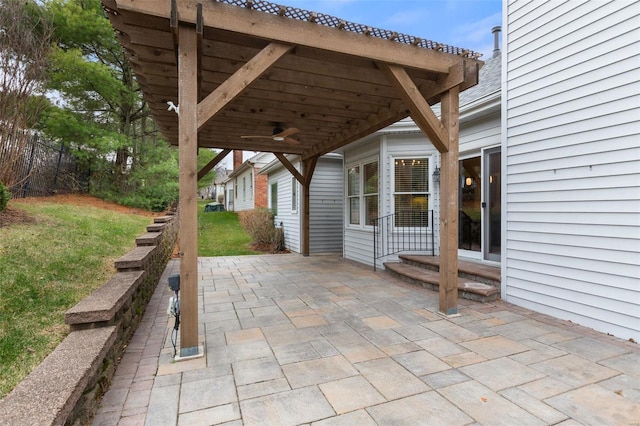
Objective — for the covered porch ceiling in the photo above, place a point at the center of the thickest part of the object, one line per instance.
(262, 65)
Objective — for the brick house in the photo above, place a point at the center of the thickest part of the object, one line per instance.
(245, 188)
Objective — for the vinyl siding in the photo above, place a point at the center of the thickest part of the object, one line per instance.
(571, 161)
(326, 207)
(244, 200)
(289, 219)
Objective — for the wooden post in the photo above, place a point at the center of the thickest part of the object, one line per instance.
(188, 153)
(449, 188)
(308, 166)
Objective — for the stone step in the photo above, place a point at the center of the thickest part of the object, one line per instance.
(149, 239)
(467, 289)
(474, 271)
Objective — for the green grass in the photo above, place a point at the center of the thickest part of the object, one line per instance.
(220, 234)
(47, 267)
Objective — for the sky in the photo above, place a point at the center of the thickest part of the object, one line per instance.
(460, 23)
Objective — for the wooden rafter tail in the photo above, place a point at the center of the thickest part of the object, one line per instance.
(249, 4)
(282, 11)
(313, 17)
(286, 163)
(214, 162)
(199, 33)
(175, 27)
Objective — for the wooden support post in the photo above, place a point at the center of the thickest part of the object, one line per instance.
(308, 166)
(217, 159)
(449, 188)
(188, 152)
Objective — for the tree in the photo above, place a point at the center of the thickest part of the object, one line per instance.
(25, 36)
(100, 111)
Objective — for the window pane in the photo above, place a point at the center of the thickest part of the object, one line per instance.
(371, 208)
(354, 181)
(412, 175)
(354, 211)
(371, 178)
(412, 210)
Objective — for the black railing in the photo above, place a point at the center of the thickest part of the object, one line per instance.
(403, 231)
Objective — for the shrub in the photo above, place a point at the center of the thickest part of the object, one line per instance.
(5, 195)
(258, 223)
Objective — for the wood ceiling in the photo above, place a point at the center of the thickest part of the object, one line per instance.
(336, 81)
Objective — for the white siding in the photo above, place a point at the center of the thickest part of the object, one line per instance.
(571, 161)
(289, 219)
(479, 133)
(244, 198)
(358, 240)
(326, 207)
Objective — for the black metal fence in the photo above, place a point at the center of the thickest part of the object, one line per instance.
(43, 169)
(403, 231)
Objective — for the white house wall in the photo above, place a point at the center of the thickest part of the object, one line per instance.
(244, 198)
(571, 161)
(326, 207)
(288, 218)
(358, 240)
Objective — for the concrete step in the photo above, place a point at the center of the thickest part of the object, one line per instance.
(467, 289)
(474, 271)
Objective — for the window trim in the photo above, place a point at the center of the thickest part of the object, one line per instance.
(392, 187)
(361, 196)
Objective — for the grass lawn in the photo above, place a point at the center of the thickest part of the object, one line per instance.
(46, 267)
(220, 234)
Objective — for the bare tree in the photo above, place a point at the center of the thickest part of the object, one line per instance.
(25, 42)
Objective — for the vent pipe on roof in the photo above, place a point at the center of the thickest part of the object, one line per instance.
(496, 40)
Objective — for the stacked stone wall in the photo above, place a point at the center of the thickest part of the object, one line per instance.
(66, 387)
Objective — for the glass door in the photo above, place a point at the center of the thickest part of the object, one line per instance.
(492, 205)
(470, 213)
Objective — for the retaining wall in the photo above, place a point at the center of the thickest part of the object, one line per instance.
(66, 387)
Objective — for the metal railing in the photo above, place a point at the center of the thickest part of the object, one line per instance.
(403, 231)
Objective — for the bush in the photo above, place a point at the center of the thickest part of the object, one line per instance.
(258, 223)
(5, 196)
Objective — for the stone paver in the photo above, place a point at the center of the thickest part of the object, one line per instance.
(321, 341)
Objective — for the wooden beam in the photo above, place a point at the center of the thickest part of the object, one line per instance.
(420, 110)
(308, 167)
(385, 117)
(239, 81)
(449, 187)
(285, 162)
(214, 162)
(270, 27)
(188, 148)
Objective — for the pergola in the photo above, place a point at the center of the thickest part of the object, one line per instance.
(243, 67)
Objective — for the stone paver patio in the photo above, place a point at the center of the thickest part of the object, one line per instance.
(323, 341)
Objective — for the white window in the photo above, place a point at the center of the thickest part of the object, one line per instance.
(244, 188)
(362, 193)
(294, 195)
(411, 192)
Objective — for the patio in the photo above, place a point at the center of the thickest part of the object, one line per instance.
(321, 340)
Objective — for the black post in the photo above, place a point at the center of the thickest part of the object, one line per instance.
(55, 177)
(25, 188)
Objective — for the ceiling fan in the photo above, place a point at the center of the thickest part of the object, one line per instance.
(279, 135)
